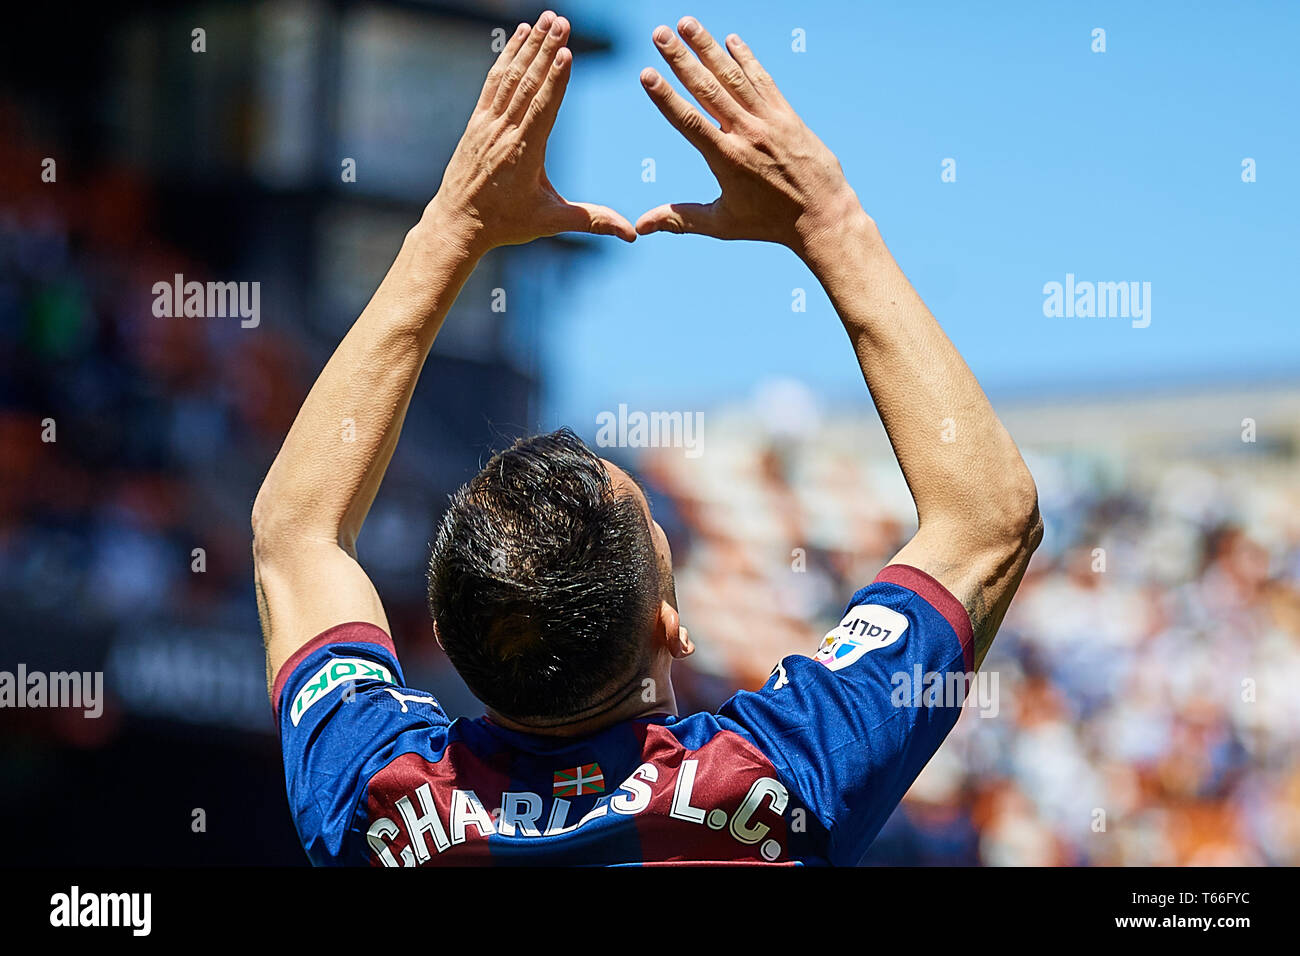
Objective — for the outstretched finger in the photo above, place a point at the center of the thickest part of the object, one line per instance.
(531, 82)
(720, 63)
(503, 61)
(758, 77)
(701, 219)
(522, 60)
(684, 117)
(704, 86)
(540, 116)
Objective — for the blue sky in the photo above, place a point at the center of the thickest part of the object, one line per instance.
(1115, 166)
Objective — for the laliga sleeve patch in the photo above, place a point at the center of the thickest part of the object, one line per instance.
(867, 627)
(337, 671)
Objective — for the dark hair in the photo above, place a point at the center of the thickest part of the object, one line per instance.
(543, 580)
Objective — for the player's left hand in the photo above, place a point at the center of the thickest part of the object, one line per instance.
(779, 182)
(495, 190)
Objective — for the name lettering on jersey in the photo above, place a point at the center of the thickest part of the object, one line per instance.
(520, 815)
(865, 628)
(519, 812)
(335, 672)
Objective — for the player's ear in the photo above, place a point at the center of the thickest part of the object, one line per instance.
(684, 646)
(438, 638)
(670, 632)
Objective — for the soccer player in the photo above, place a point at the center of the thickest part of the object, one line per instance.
(550, 583)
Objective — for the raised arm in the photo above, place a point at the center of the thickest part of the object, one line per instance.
(494, 192)
(976, 503)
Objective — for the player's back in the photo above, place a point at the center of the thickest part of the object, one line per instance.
(804, 770)
(652, 790)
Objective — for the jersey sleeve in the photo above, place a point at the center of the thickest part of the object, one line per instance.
(343, 710)
(851, 727)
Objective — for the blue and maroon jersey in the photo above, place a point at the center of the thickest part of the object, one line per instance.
(804, 770)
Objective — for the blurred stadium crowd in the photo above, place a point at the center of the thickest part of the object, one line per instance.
(1146, 711)
(154, 422)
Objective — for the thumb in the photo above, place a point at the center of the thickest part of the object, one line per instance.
(701, 219)
(588, 217)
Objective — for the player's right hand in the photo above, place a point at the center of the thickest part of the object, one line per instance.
(495, 190)
(780, 183)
